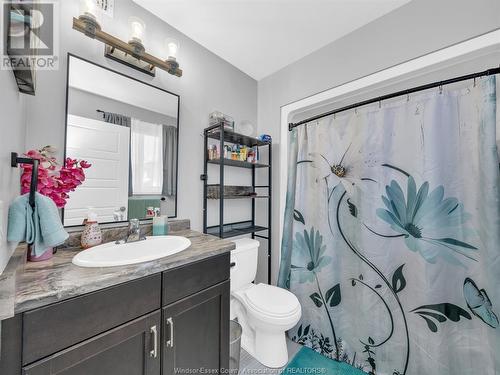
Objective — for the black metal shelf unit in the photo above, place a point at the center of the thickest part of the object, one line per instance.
(227, 230)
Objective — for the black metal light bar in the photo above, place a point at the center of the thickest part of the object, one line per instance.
(488, 72)
(15, 160)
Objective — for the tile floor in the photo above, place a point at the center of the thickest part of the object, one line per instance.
(250, 366)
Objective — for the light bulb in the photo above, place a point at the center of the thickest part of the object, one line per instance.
(172, 47)
(89, 14)
(137, 28)
(88, 8)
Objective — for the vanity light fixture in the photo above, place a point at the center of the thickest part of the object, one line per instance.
(133, 53)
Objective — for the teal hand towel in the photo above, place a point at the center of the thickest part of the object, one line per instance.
(40, 227)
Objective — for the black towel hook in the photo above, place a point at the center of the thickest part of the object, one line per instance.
(15, 160)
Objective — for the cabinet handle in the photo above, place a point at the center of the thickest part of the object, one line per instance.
(170, 341)
(154, 353)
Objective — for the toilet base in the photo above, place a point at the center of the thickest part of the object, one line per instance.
(264, 332)
(268, 348)
(266, 344)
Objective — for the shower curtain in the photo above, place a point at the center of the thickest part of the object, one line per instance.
(392, 234)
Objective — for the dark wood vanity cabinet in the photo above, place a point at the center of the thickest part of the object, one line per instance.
(160, 324)
(196, 332)
(50, 329)
(130, 349)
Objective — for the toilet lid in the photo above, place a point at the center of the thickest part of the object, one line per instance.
(272, 300)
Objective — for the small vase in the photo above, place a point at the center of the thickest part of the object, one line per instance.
(91, 235)
(47, 254)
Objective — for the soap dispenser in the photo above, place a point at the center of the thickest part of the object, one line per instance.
(160, 225)
(91, 235)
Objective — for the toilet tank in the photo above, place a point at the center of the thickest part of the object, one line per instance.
(245, 258)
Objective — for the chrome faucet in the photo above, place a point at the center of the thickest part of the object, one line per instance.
(134, 231)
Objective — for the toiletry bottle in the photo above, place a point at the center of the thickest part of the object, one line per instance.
(243, 153)
(234, 154)
(91, 235)
(160, 225)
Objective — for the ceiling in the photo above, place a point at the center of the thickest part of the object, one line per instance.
(262, 36)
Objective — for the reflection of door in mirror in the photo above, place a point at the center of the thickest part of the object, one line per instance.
(128, 130)
(106, 185)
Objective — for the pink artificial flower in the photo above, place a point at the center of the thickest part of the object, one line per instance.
(34, 154)
(85, 164)
(54, 181)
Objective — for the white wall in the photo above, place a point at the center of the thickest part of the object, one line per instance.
(12, 135)
(209, 83)
(418, 28)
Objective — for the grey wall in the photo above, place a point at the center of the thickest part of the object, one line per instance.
(12, 136)
(209, 83)
(84, 104)
(420, 27)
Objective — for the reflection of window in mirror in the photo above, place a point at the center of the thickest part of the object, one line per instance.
(146, 157)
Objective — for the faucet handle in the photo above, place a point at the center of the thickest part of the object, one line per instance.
(133, 224)
(133, 228)
(134, 231)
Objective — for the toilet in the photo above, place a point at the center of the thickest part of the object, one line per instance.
(265, 312)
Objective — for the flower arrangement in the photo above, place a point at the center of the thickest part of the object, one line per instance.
(54, 181)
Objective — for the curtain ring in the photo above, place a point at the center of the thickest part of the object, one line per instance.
(355, 111)
(440, 89)
(380, 104)
(407, 97)
(474, 82)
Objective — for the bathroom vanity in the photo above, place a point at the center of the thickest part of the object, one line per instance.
(160, 317)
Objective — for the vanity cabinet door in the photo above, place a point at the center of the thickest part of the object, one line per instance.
(196, 332)
(130, 349)
(50, 329)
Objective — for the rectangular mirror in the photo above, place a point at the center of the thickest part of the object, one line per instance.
(128, 130)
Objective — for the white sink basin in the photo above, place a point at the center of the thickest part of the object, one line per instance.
(111, 254)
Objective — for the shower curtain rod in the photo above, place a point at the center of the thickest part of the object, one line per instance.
(488, 72)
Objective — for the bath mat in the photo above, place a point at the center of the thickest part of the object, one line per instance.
(307, 361)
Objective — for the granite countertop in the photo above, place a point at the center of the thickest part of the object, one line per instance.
(25, 286)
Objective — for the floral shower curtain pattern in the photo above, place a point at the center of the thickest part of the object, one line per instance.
(392, 234)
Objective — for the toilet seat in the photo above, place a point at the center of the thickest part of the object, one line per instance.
(271, 302)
